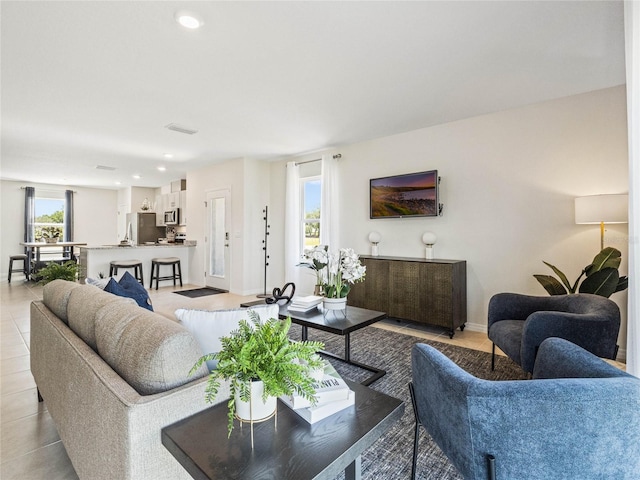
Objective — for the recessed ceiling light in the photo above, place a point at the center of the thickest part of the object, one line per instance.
(137, 177)
(162, 169)
(188, 20)
(167, 155)
(118, 183)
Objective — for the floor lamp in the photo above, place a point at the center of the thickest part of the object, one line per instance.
(601, 209)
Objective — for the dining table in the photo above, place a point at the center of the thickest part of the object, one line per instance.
(33, 251)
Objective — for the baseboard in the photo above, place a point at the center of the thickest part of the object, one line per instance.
(476, 327)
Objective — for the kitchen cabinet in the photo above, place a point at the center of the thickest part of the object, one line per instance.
(183, 207)
(160, 210)
(178, 185)
(172, 201)
(431, 292)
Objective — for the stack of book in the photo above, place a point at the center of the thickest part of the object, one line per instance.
(304, 304)
(332, 395)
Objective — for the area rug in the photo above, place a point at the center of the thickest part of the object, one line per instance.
(390, 457)
(200, 292)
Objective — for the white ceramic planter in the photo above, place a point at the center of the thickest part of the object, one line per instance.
(334, 303)
(257, 410)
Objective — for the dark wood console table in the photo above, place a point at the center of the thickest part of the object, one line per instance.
(295, 450)
(432, 292)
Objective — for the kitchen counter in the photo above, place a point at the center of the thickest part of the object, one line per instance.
(134, 247)
(95, 259)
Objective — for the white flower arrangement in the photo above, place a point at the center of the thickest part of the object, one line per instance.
(335, 272)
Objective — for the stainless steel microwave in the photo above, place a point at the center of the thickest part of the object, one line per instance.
(172, 217)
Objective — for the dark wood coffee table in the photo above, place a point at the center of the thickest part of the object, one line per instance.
(353, 319)
(291, 449)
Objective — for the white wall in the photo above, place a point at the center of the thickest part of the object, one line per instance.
(95, 217)
(256, 197)
(222, 175)
(509, 180)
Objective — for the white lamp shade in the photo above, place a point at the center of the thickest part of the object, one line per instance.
(374, 237)
(594, 209)
(429, 238)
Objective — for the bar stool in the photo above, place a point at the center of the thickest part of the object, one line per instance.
(155, 270)
(14, 258)
(114, 265)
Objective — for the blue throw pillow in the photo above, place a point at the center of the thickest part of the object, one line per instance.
(131, 288)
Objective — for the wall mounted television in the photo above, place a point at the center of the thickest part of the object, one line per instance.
(408, 195)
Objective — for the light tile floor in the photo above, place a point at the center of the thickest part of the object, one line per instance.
(30, 448)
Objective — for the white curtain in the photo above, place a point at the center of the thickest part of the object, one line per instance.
(632, 43)
(330, 204)
(292, 233)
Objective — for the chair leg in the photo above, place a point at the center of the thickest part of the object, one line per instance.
(173, 268)
(157, 274)
(416, 432)
(491, 467)
(493, 357)
(180, 273)
(40, 399)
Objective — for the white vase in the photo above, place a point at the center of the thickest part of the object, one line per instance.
(334, 303)
(256, 410)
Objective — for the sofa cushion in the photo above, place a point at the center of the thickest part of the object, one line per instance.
(152, 353)
(129, 287)
(84, 303)
(208, 326)
(55, 296)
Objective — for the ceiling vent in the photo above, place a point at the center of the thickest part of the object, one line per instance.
(179, 128)
(104, 167)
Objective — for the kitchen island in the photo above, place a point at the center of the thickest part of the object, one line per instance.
(94, 260)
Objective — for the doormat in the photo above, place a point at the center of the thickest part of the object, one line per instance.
(200, 292)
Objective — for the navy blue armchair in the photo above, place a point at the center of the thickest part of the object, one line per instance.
(519, 323)
(578, 418)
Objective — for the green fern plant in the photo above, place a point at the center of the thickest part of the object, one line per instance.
(262, 351)
(53, 271)
(602, 277)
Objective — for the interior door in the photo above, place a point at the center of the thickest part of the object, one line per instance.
(217, 239)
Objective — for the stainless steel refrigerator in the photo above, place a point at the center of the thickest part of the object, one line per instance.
(141, 228)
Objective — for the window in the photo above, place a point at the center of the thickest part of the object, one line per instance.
(49, 220)
(311, 188)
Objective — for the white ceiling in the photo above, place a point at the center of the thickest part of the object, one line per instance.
(94, 83)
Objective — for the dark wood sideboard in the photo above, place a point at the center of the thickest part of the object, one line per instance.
(432, 292)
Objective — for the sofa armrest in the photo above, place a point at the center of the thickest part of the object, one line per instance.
(559, 358)
(515, 306)
(589, 331)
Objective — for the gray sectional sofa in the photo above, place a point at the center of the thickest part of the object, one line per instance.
(112, 375)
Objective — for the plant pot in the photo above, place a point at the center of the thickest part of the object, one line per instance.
(51, 240)
(334, 303)
(256, 410)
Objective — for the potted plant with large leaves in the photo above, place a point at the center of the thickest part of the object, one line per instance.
(601, 277)
(261, 363)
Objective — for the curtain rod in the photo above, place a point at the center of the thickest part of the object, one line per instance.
(337, 156)
(50, 189)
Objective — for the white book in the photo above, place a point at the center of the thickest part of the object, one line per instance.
(294, 308)
(319, 412)
(330, 389)
(308, 301)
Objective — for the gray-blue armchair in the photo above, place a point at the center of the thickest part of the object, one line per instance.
(519, 323)
(579, 418)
